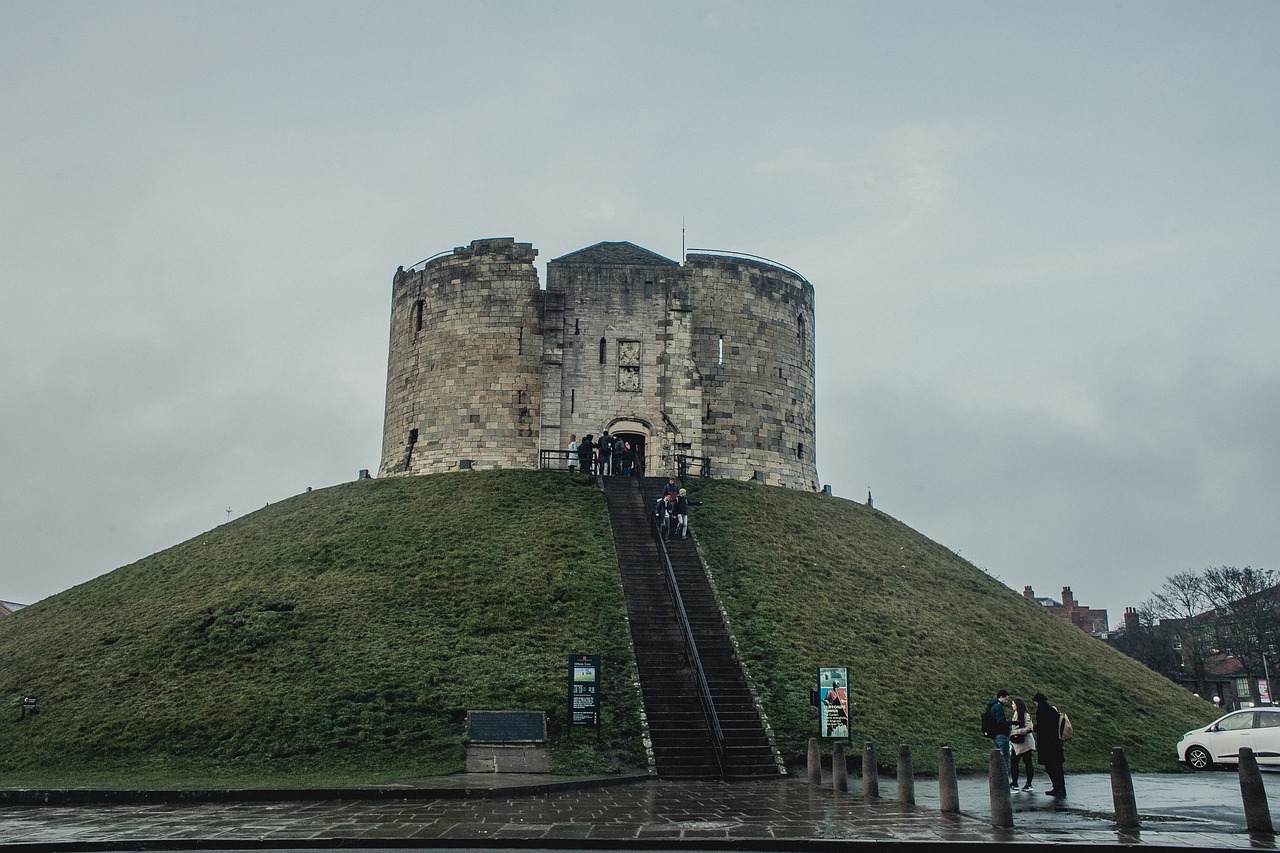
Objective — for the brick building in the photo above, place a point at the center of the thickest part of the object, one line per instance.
(1089, 619)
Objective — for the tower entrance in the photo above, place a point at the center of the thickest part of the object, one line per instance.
(638, 434)
(637, 442)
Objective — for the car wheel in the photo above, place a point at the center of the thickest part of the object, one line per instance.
(1199, 759)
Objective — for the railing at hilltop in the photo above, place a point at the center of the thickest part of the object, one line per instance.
(422, 264)
(686, 463)
(727, 254)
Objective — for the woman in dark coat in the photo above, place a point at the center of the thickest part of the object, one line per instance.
(1049, 744)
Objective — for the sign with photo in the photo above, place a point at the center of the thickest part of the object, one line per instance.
(584, 690)
(833, 702)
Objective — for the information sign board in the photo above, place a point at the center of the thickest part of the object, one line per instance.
(584, 690)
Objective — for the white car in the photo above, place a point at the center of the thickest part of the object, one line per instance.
(1220, 741)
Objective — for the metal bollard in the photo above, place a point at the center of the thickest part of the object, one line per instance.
(815, 762)
(906, 776)
(1122, 791)
(948, 786)
(998, 784)
(1257, 814)
(870, 775)
(839, 768)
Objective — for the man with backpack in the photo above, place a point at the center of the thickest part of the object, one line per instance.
(996, 725)
(1052, 728)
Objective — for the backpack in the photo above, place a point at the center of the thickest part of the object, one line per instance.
(1065, 730)
(989, 726)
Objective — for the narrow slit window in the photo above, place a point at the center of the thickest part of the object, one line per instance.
(720, 351)
(602, 345)
(417, 317)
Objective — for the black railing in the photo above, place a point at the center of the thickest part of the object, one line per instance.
(699, 465)
(727, 254)
(691, 648)
(555, 460)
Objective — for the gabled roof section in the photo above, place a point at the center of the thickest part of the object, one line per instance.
(622, 253)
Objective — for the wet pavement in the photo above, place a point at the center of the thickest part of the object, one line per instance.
(1201, 810)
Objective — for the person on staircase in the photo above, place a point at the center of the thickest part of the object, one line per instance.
(682, 513)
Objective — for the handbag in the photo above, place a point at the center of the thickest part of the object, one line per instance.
(1018, 738)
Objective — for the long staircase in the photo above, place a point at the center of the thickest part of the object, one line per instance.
(702, 717)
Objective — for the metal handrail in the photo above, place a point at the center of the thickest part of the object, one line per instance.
(683, 461)
(691, 647)
(554, 460)
(423, 263)
(729, 254)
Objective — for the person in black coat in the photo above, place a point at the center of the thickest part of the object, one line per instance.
(1049, 744)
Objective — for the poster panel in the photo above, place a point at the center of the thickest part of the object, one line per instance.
(833, 702)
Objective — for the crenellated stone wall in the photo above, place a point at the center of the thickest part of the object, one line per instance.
(713, 358)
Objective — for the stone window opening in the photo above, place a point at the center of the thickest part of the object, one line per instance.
(408, 453)
(575, 325)
(520, 342)
(720, 352)
(417, 318)
(648, 289)
(800, 451)
(573, 400)
(602, 349)
(801, 337)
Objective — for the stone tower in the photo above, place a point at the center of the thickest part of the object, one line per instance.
(710, 358)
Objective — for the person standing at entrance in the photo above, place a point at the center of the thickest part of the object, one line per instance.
(573, 452)
(619, 447)
(606, 449)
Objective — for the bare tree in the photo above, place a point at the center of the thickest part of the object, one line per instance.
(1182, 604)
(1244, 601)
(1150, 642)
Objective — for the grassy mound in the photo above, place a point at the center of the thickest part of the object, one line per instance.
(340, 636)
(810, 580)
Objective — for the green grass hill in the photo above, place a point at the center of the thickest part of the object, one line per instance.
(339, 637)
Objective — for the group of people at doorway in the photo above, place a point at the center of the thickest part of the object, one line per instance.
(1019, 737)
(606, 455)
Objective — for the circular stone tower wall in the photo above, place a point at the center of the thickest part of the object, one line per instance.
(753, 347)
(463, 370)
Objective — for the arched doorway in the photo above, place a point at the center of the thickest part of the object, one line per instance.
(635, 433)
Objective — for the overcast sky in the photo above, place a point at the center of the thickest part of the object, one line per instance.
(1044, 240)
